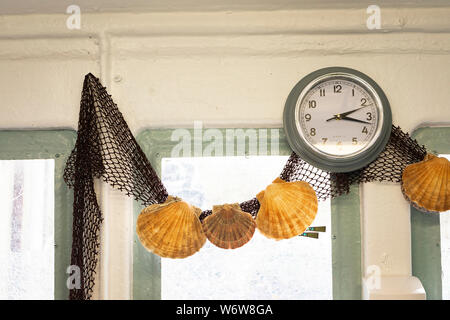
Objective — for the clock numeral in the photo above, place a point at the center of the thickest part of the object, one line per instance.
(369, 116)
(353, 92)
(322, 92)
(354, 140)
(363, 102)
(324, 140)
(312, 103)
(364, 130)
(308, 117)
(312, 132)
(337, 88)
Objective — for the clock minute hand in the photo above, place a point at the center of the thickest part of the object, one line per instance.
(341, 116)
(336, 117)
(351, 111)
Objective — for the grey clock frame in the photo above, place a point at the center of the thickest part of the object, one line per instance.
(335, 164)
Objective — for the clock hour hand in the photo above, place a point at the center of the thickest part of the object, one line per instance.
(355, 120)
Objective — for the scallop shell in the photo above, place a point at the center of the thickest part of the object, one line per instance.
(287, 209)
(171, 229)
(426, 184)
(229, 227)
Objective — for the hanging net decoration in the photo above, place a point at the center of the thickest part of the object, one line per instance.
(106, 149)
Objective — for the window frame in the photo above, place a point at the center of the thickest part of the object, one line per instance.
(425, 228)
(345, 221)
(56, 145)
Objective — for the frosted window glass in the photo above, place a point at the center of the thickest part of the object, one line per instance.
(298, 268)
(26, 229)
(445, 249)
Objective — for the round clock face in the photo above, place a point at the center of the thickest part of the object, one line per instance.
(337, 119)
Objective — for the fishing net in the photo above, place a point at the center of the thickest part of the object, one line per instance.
(106, 149)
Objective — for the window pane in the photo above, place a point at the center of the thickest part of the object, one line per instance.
(298, 268)
(445, 249)
(26, 229)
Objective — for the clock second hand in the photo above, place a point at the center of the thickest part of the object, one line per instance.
(342, 116)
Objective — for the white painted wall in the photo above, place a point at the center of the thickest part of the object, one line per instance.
(226, 68)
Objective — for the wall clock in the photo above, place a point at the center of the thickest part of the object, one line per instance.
(337, 119)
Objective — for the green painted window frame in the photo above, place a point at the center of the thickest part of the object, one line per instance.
(425, 228)
(57, 145)
(345, 215)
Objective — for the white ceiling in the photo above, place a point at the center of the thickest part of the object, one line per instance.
(59, 6)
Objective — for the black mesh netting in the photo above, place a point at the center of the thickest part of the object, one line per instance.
(106, 149)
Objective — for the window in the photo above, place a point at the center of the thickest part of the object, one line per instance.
(430, 233)
(340, 262)
(26, 229)
(445, 249)
(35, 213)
(298, 268)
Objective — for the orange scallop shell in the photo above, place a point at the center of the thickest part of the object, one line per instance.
(229, 227)
(287, 209)
(426, 184)
(171, 229)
